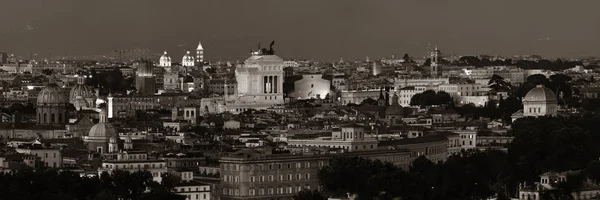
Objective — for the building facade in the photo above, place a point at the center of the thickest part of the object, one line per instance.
(145, 82)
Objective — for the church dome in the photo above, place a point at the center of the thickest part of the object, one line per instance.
(83, 91)
(188, 59)
(540, 94)
(165, 57)
(165, 60)
(79, 103)
(52, 94)
(103, 129)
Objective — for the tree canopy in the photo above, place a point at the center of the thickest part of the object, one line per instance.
(430, 97)
(51, 184)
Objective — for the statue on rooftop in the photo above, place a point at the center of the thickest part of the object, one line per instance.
(265, 51)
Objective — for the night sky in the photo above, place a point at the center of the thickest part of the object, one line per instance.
(321, 29)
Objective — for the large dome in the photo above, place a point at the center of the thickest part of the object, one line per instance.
(540, 94)
(52, 94)
(81, 90)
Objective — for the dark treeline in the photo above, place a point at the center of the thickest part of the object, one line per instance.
(540, 145)
(66, 185)
(554, 65)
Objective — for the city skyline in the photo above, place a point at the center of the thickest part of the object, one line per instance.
(313, 29)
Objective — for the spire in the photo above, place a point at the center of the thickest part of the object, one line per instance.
(199, 46)
(165, 53)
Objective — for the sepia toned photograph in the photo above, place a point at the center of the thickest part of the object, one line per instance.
(299, 100)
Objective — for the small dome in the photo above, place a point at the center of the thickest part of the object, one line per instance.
(52, 94)
(540, 94)
(187, 59)
(165, 60)
(165, 57)
(79, 103)
(104, 130)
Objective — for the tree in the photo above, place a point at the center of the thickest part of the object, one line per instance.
(498, 84)
(427, 62)
(430, 97)
(47, 72)
(369, 101)
(548, 144)
(406, 58)
(309, 195)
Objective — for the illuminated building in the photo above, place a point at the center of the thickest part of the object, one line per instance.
(311, 86)
(144, 80)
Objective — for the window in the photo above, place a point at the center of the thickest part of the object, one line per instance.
(289, 177)
(262, 178)
(252, 179)
(289, 165)
(270, 190)
(298, 165)
(298, 177)
(261, 191)
(237, 192)
(271, 178)
(307, 176)
(281, 177)
(224, 191)
(251, 192)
